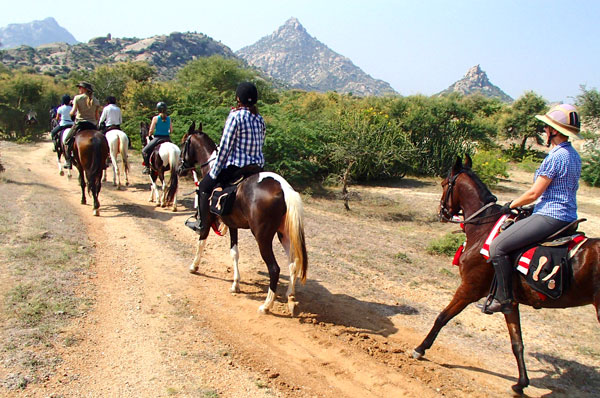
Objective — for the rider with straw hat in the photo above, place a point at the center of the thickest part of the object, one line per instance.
(555, 185)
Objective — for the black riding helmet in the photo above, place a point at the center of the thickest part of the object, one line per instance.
(247, 93)
(66, 99)
(161, 107)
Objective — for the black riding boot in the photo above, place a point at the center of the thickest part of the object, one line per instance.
(504, 294)
(68, 151)
(201, 224)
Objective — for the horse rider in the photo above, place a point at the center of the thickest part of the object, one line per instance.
(161, 127)
(63, 116)
(241, 146)
(555, 183)
(111, 117)
(86, 110)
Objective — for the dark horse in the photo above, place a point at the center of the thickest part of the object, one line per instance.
(144, 128)
(90, 150)
(464, 191)
(267, 205)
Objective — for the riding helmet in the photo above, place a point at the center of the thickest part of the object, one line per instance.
(161, 107)
(247, 93)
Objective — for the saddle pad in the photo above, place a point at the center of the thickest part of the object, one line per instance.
(222, 199)
(547, 269)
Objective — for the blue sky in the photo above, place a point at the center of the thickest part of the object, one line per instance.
(550, 47)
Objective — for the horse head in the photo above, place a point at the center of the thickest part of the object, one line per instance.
(197, 148)
(462, 190)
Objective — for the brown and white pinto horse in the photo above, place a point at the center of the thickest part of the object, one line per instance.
(267, 205)
(464, 191)
(90, 150)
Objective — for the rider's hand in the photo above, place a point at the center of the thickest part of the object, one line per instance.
(505, 209)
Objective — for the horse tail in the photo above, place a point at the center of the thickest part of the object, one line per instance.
(94, 172)
(123, 146)
(294, 224)
(174, 179)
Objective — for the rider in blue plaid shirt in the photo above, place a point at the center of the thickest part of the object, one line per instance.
(240, 151)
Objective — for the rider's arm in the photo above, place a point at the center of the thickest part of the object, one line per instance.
(532, 194)
(225, 146)
(152, 125)
(74, 110)
(103, 117)
(170, 126)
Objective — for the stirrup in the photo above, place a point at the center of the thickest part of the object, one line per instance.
(146, 171)
(491, 305)
(194, 224)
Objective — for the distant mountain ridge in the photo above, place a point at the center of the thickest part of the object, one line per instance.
(168, 53)
(34, 34)
(291, 55)
(475, 81)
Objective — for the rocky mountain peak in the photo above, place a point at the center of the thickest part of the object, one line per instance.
(476, 81)
(291, 55)
(34, 34)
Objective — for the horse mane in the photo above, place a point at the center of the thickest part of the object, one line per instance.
(486, 195)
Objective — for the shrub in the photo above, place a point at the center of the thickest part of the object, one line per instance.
(446, 245)
(590, 169)
(490, 166)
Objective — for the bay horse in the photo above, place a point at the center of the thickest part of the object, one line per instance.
(464, 191)
(165, 157)
(118, 143)
(90, 150)
(267, 205)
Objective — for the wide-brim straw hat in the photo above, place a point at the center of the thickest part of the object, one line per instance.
(564, 118)
(86, 85)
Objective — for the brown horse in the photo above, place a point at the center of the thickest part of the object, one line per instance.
(267, 205)
(464, 191)
(90, 150)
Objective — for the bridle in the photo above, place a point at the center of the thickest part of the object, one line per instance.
(446, 215)
(184, 165)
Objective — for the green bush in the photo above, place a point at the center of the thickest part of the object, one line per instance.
(490, 166)
(446, 245)
(590, 169)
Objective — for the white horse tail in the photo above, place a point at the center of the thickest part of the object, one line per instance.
(294, 224)
(174, 179)
(123, 147)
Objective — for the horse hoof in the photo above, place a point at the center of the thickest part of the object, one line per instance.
(193, 269)
(517, 390)
(96, 212)
(292, 308)
(234, 289)
(62, 173)
(262, 310)
(127, 183)
(417, 355)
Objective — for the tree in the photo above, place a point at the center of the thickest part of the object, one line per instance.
(520, 122)
(588, 102)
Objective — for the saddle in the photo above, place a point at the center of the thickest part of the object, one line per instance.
(154, 157)
(223, 195)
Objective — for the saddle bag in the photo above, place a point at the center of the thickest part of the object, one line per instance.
(548, 269)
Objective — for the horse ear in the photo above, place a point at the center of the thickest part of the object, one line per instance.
(457, 165)
(192, 128)
(468, 161)
(200, 127)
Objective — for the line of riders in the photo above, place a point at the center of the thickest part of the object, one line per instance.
(555, 183)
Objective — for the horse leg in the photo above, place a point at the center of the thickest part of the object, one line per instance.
(462, 298)
(60, 168)
(82, 184)
(265, 244)
(96, 185)
(199, 251)
(163, 196)
(290, 294)
(513, 322)
(235, 256)
(597, 304)
(116, 173)
(153, 189)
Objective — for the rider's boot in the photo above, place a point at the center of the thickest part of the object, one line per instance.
(503, 302)
(68, 151)
(146, 170)
(201, 224)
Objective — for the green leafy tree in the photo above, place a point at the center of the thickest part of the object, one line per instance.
(520, 122)
(588, 102)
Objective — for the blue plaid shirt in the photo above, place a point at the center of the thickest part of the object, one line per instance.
(242, 141)
(563, 167)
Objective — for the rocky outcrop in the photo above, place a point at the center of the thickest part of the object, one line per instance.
(476, 81)
(168, 53)
(34, 34)
(291, 55)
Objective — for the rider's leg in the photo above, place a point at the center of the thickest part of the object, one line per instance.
(68, 140)
(205, 187)
(146, 151)
(523, 233)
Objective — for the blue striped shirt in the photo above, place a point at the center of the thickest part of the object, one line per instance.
(563, 167)
(242, 141)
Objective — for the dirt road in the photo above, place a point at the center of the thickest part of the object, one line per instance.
(155, 330)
